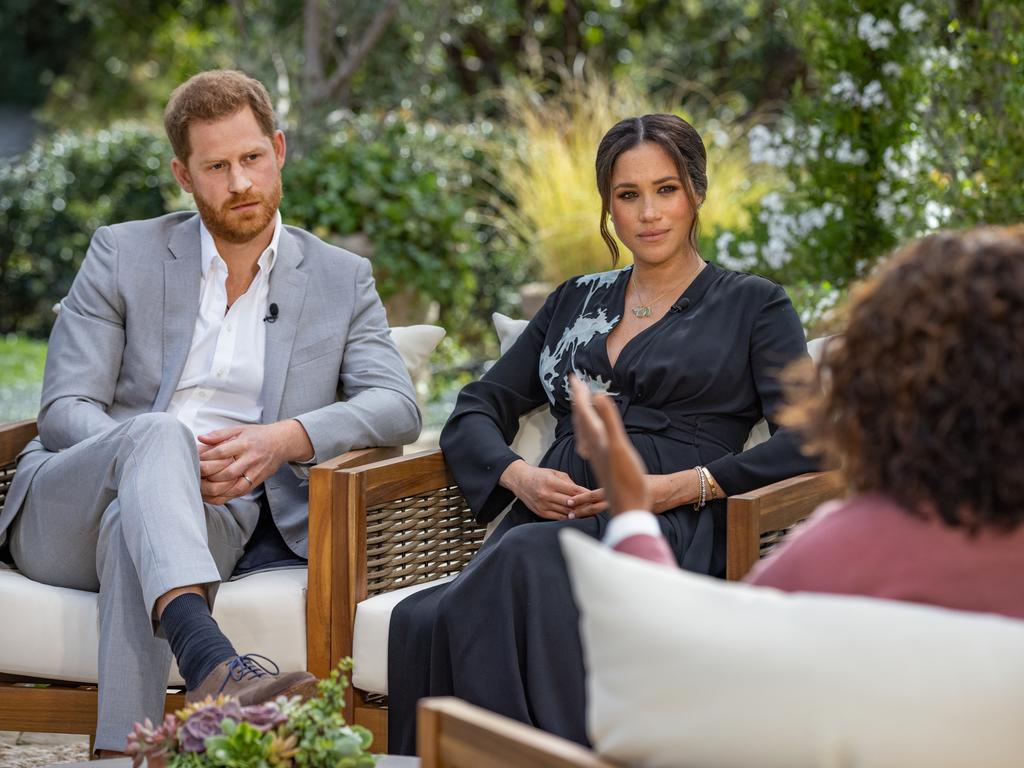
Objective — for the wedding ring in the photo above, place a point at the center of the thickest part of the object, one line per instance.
(246, 478)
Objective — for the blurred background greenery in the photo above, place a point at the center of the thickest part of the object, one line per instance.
(452, 141)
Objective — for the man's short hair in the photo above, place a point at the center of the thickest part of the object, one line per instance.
(210, 96)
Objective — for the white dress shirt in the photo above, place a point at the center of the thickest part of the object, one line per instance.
(221, 383)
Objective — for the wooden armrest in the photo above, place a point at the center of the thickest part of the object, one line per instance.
(454, 734)
(326, 574)
(13, 437)
(774, 507)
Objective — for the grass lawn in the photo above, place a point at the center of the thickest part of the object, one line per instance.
(21, 376)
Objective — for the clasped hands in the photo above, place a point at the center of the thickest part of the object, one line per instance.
(601, 439)
(234, 460)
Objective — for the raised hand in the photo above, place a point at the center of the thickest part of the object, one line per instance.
(601, 439)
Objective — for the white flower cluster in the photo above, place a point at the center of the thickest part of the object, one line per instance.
(785, 230)
(892, 206)
(905, 163)
(845, 153)
(892, 69)
(845, 89)
(911, 18)
(785, 148)
(877, 33)
(811, 316)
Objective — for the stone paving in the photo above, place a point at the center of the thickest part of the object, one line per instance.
(26, 750)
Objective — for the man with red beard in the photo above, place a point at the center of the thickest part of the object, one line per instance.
(198, 364)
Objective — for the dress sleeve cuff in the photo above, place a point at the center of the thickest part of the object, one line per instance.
(632, 523)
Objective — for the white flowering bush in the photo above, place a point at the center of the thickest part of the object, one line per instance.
(910, 119)
(845, 148)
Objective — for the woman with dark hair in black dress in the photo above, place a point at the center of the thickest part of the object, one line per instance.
(689, 352)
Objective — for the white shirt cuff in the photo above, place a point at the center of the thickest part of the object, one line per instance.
(633, 523)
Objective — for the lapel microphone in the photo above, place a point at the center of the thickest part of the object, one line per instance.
(271, 314)
(680, 306)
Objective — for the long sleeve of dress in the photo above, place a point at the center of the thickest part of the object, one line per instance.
(777, 339)
(476, 439)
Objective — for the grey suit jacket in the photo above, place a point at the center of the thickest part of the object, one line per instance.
(125, 329)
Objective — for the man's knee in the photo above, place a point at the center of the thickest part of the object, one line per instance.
(160, 428)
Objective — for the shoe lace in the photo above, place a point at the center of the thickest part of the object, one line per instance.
(249, 666)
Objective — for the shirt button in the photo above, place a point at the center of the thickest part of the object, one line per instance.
(230, 329)
(220, 373)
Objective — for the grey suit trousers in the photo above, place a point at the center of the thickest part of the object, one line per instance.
(121, 514)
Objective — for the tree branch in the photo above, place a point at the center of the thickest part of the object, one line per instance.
(313, 68)
(385, 15)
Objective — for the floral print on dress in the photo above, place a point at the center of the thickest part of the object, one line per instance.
(579, 334)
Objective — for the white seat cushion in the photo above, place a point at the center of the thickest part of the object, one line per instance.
(370, 637)
(52, 632)
(685, 670)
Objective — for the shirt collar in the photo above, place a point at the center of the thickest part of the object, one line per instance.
(208, 249)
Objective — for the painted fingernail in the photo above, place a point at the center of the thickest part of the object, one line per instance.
(569, 502)
(572, 515)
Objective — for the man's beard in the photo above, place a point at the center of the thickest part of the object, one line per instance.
(235, 227)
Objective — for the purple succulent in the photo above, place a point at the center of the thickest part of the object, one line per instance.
(148, 743)
(263, 717)
(204, 723)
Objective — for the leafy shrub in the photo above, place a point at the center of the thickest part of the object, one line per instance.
(422, 194)
(54, 196)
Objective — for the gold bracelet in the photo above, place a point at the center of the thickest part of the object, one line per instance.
(711, 483)
(709, 480)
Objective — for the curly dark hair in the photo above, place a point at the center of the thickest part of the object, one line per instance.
(923, 395)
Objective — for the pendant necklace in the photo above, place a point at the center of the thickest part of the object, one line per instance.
(643, 309)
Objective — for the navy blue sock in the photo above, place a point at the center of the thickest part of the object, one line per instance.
(195, 639)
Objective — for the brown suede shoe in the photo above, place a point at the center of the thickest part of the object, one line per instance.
(249, 681)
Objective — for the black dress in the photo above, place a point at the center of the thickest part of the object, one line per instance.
(503, 635)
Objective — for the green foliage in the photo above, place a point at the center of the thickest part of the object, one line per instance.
(420, 194)
(37, 40)
(129, 56)
(239, 745)
(54, 197)
(912, 121)
(21, 377)
(973, 113)
(325, 741)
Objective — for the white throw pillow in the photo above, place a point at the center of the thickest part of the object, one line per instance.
(415, 344)
(536, 428)
(685, 670)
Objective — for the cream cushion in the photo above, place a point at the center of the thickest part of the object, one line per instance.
(415, 344)
(52, 632)
(685, 670)
(370, 637)
(536, 428)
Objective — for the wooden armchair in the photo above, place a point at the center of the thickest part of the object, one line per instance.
(406, 523)
(53, 706)
(454, 734)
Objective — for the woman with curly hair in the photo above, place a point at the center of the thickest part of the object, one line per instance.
(922, 408)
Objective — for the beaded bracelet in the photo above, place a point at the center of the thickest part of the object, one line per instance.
(702, 498)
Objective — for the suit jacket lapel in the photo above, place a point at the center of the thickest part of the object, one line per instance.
(182, 275)
(288, 291)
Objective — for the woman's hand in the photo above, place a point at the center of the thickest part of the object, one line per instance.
(664, 492)
(545, 492)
